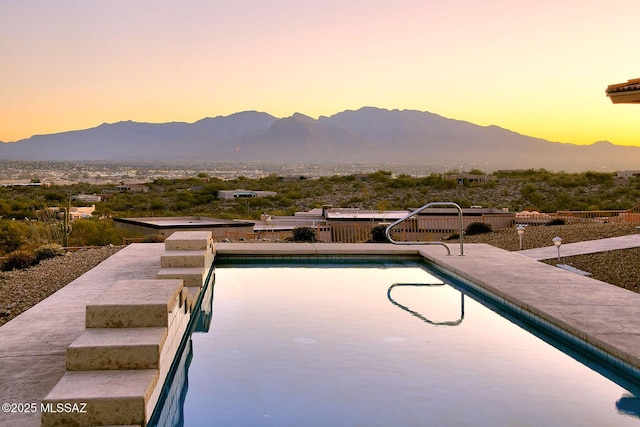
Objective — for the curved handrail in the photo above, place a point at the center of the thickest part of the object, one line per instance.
(420, 316)
(417, 211)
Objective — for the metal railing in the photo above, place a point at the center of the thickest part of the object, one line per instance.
(417, 211)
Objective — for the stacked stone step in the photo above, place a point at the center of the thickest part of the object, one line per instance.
(116, 368)
(188, 256)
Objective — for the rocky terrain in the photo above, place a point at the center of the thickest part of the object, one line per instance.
(21, 289)
(620, 268)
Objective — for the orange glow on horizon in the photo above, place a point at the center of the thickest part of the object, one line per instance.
(538, 68)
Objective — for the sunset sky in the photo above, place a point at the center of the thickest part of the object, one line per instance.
(537, 67)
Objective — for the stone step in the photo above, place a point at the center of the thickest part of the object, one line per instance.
(117, 397)
(189, 241)
(191, 276)
(192, 296)
(137, 303)
(116, 348)
(182, 259)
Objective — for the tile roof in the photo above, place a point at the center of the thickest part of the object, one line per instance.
(633, 84)
(628, 92)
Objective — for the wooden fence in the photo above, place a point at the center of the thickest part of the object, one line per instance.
(612, 216)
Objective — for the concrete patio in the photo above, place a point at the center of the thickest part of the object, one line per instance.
(582, 248)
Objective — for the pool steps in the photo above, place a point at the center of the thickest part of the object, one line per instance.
(191, 276)
(117, 348)
(118, 365)
(117, 396)
(185, 259)
(136, 304)
(188, 257)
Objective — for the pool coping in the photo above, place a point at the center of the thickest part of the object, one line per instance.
(602, 314)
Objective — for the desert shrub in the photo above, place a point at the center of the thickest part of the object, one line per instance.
(51, 250)
(12, 235)
(557, 221)
(153, 238)
(304, 234)
(94, 232)
(477, 228)
(19, 260)
(378, 234)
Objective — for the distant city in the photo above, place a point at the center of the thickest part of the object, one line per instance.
(64, 173)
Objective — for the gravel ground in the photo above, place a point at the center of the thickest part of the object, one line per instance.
(21, 289)
(620, 268)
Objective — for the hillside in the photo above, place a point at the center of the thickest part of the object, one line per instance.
(366, 135)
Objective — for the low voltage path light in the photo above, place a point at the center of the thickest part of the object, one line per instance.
(520, 230)
(557, 241)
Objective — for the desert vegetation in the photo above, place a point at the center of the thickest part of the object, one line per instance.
(32, 231)
(27, 220)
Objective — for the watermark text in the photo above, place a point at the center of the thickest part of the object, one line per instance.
(42, 407)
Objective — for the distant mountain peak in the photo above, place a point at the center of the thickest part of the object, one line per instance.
(369, 134)
(300, 116)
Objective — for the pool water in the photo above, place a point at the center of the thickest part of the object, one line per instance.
(340, 345)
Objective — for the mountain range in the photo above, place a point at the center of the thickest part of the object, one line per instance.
(369, 134)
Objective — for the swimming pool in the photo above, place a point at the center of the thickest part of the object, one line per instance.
(382, 343)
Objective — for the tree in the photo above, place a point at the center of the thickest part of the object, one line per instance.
(304, 234)
(378, 234)
(12, 235)
(92, 232)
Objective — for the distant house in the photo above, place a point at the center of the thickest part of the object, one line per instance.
(132, 188)
(106, 196)
(89, 198)
(43, 183)
(624, 93)
(279, 227)
(165, 226)
(243, 194)
(465, 178)
(350, 225)
(81, 212)
(627, 174)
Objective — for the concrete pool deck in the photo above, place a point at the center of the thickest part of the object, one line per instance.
(582, 248)
(33, 345)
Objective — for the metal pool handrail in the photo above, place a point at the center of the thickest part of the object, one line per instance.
(417, 211)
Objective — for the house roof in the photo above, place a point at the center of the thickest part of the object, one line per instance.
(185, 222)
(625, 93)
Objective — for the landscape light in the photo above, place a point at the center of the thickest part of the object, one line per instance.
(557, 241)
(520, 230)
